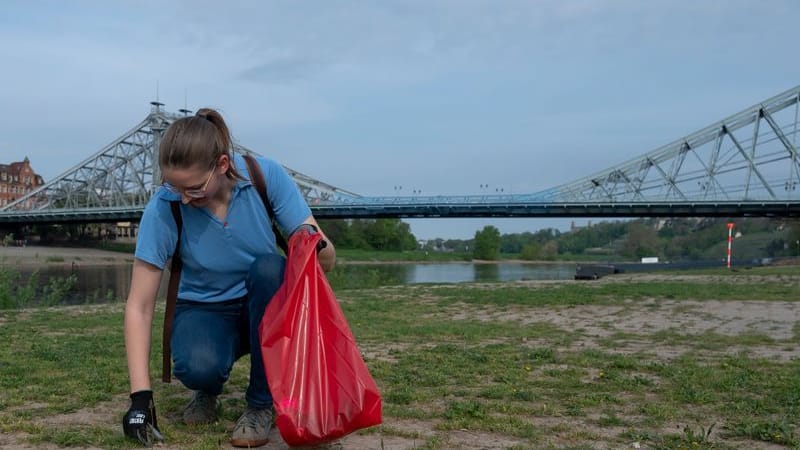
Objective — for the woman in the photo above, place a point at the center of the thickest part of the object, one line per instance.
(231, 269)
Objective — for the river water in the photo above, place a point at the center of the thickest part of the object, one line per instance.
(100, 284)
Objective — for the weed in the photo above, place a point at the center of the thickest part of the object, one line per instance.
(701, 435)
(56, 289)
(18, 293)
(779, 432)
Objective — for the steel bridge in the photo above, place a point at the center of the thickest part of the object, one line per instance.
(744, 165)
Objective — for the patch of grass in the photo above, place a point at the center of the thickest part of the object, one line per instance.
(54, 259)
(79, 436)
(614, 293)
(761, 270)
(449, 358)
(685, 437)
(709, 340)
(779, 432)
(611, 420)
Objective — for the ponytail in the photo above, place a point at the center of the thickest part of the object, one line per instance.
(197, 140)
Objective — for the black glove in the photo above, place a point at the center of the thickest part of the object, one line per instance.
(312, 230)
(140, 422)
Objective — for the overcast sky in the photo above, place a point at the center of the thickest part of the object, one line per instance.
(437, 96)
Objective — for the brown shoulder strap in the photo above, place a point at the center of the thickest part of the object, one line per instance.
(172, 297)
(257, 177)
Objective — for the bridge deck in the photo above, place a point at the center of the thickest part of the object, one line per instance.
(420, 208)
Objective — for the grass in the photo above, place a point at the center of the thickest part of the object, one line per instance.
(455, 358)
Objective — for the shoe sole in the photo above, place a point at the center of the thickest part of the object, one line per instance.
(246, 443)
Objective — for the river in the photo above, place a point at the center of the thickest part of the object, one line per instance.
(107, 283)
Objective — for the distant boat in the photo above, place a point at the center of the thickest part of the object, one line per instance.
(594, 271)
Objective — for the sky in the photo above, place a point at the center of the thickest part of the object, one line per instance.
(445, 97)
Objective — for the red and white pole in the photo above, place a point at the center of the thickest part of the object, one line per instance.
(730, 240)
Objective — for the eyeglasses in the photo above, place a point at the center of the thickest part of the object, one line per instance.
(192, 193)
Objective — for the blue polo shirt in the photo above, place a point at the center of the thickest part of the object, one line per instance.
(217, 255)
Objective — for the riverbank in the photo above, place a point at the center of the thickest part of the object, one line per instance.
(72, 256)
(41, 255)
(38, 256)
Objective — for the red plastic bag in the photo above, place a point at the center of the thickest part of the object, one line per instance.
(320, 386)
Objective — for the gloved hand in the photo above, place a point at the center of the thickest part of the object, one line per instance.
(140, 422)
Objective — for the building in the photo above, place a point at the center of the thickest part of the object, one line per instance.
(16, 180)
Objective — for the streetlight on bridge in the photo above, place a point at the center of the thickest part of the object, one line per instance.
(790, 186)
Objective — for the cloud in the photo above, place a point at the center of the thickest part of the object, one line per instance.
(285, 69)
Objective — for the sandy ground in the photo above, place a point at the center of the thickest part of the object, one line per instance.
(36, 255)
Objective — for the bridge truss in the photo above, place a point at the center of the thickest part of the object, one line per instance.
(744, 165)
(116, 182)
(749, 156)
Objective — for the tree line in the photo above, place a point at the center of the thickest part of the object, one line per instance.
(667, 238)
(671, 239)
(370, 234)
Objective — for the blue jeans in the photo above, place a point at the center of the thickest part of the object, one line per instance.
(207, 338)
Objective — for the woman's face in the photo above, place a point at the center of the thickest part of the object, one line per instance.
(197, 184)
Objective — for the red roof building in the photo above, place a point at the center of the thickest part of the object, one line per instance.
(16, 180)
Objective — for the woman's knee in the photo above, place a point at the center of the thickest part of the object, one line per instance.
(201, 370)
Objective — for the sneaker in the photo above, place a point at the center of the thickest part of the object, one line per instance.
(252, 428)
(202, 409)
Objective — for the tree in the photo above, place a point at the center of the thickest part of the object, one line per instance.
(390, 234)
(794, 238)
(337, 231)
(370, 234)
(550, 250)
(642, 240)
(531, 251)
(458, 245)
(487, 243)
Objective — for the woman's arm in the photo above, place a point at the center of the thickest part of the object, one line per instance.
(326, 256)
(139, 309)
